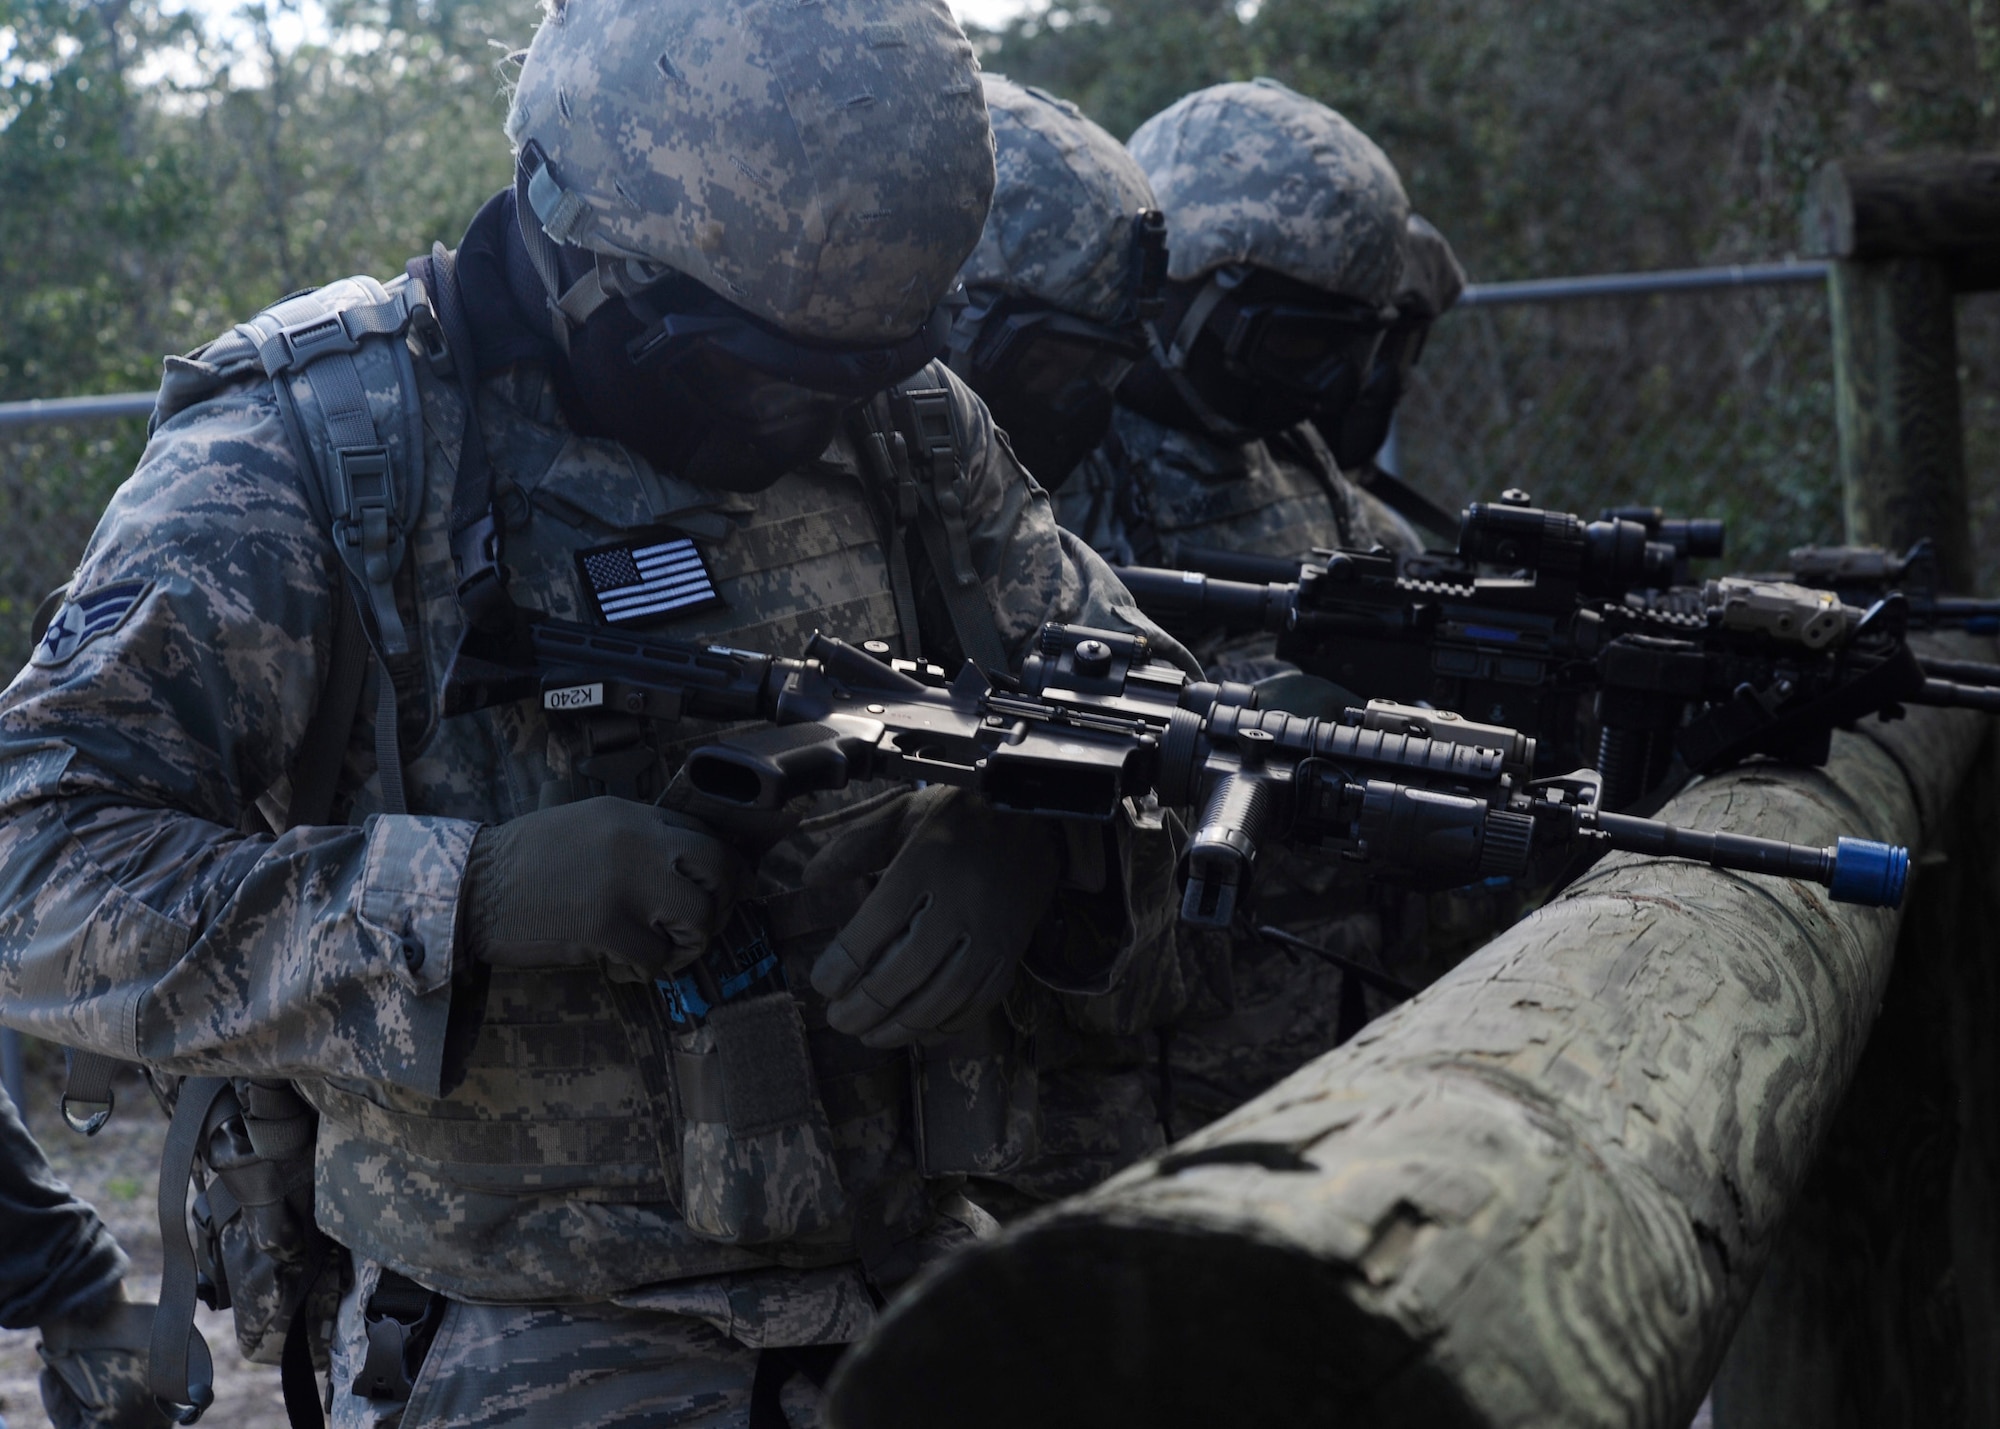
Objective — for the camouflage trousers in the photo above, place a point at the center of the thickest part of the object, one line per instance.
(586, 1366)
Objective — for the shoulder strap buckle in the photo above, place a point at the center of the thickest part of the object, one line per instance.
(367, 495)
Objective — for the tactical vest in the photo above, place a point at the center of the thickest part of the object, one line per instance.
(594, 1144)
(1150, 490)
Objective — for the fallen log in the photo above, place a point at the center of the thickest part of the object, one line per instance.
(1538, 1194)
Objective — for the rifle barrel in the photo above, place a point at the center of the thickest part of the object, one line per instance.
(1238, 565)
(1854, 870)
(1190, 595)
(1954, 607)
(1966, 672)
(1947, 694)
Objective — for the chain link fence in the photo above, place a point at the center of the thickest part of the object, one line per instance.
(1710, 403)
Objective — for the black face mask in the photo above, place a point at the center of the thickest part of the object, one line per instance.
(1248, 353)
(1365, 425)
(1047, 377)
(707, 417)
(702, 390)
(1049, 445)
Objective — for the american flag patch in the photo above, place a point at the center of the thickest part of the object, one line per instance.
(636, 581)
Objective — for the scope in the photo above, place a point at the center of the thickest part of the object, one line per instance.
(1604, 558)
(1693, 539)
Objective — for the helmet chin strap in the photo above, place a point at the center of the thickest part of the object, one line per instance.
(548, 215)
(543, 252)
(1172, 360)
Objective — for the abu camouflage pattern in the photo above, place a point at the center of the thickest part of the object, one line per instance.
(1258, 174)
(137, 919)
(1151, 489)
(600, 1365)
(1060, 228)
(825, 167)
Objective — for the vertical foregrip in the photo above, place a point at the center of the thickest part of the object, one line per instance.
(1243, 808)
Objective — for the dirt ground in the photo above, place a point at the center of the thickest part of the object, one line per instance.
(118, 1172)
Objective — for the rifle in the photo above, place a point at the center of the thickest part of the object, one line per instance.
(1093, 722)
(1745, 668)
(1629, 548)
(1861, 575)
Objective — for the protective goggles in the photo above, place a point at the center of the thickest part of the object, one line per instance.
(669, 338)
(681, 317)
(1303, 349)
(1306, 348)
(1047, 355)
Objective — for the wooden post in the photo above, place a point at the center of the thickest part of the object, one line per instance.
(1540, 1193)
(1881, 1306)
(1895, 394)
(1906, 233)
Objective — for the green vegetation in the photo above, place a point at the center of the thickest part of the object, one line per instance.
(160, 185)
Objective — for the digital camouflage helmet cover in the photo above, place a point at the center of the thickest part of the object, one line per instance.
(825, 167)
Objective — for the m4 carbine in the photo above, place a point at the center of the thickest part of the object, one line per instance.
(1095, 721)
(1743, 667)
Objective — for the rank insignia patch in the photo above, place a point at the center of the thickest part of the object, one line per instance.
(636, 581)
(85, 617)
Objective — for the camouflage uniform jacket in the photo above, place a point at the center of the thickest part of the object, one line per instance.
(136, 920)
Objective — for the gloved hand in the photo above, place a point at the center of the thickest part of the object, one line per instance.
(935, 945)
(94, 1371)
(604, 879)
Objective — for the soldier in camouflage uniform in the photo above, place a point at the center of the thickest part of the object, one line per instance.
(61, 1271)
(569, 1198)
(1071, 254)
(1284, 227)
(1289, 241)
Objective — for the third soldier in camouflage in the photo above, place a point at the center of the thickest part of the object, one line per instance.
(1299, 290)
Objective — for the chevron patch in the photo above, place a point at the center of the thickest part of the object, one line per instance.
(636, 581)
(85, 617)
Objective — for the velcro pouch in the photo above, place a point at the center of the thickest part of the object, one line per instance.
(757, 1162)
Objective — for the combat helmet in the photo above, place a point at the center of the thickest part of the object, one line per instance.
(823, 167)
(1259, 175)
(1068, 203)
(1072, 255)
(1287, 226)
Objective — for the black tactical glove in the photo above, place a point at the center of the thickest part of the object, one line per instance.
(94, 1371)
(604, 880)
(935, 945)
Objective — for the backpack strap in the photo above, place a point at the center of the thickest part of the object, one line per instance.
(370, 473)
(924, 448)
(1305, 441)
(182, 1373)
(898, 493)
(475, 531)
